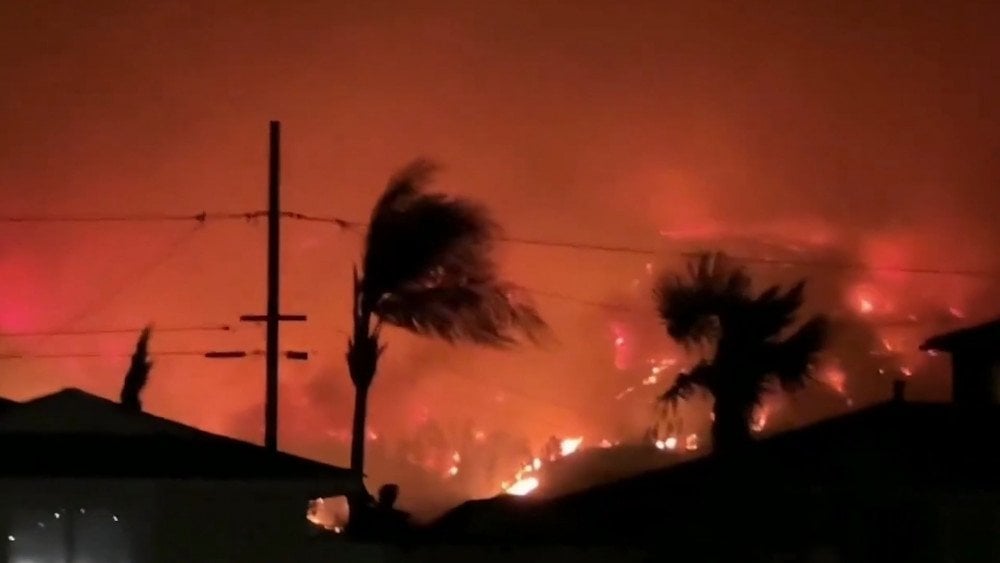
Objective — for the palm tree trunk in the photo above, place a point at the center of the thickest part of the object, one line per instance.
(362, 360)
(731, 428)
(358, 430)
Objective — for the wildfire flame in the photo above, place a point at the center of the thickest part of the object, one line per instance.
(668, 444)
(760, 418)
(525, 481)
(836, 379)
(522, 486)
(328, 513)
(569, 445)
(691, 442)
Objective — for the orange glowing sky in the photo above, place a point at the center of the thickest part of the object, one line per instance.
(870, 129)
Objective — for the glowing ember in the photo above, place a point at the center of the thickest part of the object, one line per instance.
(569, 445)
(691, 442)
(866, 306)
(760, 419)
(327, 513)
(659, 365)
(627, 390)
(668, 444)
(623, 346)
(835, 378)
(522, 487)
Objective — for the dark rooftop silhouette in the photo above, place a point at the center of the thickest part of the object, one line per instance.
(6, 404)
(984, 334)
(74, 434)
(833, 477)
(975, 363)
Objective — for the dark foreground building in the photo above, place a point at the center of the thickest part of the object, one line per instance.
(975, 362)
(899, 481)
(85, 480)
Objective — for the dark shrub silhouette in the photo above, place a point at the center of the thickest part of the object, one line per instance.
(138, 373)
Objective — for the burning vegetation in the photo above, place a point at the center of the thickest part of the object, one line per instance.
(869, 344)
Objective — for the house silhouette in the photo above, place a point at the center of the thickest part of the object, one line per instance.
(897, 481)
(86, 479)
(975, 359)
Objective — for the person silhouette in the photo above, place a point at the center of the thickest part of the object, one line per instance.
(392, 523)
(378, 519)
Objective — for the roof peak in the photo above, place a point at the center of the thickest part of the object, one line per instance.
(947, 341)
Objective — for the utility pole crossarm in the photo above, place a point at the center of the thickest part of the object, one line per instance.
(264, 318)
(226, 354)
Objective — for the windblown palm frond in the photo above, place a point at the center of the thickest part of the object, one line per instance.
(775, 311)
(794, 357)
(477, 313)
(428, 267)
(693, 309)
(700, 377)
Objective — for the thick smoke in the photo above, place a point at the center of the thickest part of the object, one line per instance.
(842, 132)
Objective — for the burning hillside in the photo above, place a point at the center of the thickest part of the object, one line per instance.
(441, 458)
(812, 140)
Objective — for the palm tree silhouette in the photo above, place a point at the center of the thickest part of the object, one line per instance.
(428, 268)
(138, 373)
(714, 308)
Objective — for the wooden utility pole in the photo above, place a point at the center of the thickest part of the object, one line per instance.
(273, 287)
(273, 316)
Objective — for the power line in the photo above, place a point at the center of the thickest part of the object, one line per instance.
(580, 246)
(101, 331)
(579, 300)
(54, 356)
(289, 354)
(348, 224)
(920, 321)
(142, 273)
(342, 223)
(857, 266)
(201, 217)
(352, 225)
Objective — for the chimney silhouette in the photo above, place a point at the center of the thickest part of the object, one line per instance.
(899, 391)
